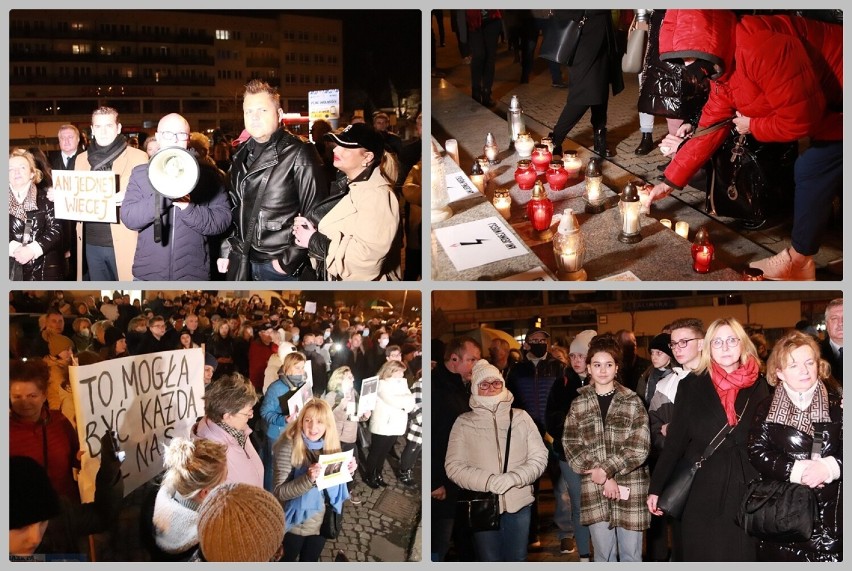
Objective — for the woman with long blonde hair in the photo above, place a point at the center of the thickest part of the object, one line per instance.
(296, 455)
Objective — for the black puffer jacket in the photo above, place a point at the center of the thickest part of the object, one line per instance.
(663, 90)
(294, 182)
(46, 231)
(773, 448)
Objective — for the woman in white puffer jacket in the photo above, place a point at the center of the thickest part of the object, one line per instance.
(389, 419)
(475, 458)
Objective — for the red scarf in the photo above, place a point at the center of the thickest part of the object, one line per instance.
(728, 385)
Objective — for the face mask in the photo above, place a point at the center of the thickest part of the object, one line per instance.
(538, 350)
(309, 348)
(295, 338)
(383, 343)
(85, 332)
(326, 335)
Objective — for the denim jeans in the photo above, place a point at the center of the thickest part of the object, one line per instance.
(442, 534)
(562, 512)
(262, 272)
(509, 543)
(818, 175)
(581, 532)
(101, 262)
(616, 544)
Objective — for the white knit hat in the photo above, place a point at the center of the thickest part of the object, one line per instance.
(484, 370)
(580, 344)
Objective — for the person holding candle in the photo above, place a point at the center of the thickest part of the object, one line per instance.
(606, 440)
(779, 78)
(723, 394)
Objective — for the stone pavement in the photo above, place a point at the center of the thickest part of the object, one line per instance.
(542, 104)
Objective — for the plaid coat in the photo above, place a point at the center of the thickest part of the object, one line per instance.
(620, 449)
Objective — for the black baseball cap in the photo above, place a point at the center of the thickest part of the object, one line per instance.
(359, 135)
(535, 330)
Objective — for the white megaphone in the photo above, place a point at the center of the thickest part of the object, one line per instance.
(173, 172)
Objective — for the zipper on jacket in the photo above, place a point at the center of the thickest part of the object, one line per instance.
(172, 241)
(499, 454)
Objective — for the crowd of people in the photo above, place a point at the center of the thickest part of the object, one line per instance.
(247, 436)
(611, 430)
(709, 74)
(279, 208)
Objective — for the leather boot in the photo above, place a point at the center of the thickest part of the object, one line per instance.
(371, 480)
(646, 145)
(380, 480)
(405, 477)
(486, 99)
(600, 143)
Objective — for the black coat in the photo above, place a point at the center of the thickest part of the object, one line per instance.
(773, 448)
(827, 353)
(295, 181)
(597, 62)
(450, 398)
(562, 392)
(709, 531)
(46, 232)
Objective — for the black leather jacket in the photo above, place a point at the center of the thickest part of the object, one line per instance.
(773, 448)
(295, 181)
(47, 233)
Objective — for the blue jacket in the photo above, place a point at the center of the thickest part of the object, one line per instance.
(270, 409)
(530, 384)
(183, 252)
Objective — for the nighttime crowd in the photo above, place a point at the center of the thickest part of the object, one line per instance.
(611, 430)
(241, 485)
(764, 83)
(343, 205)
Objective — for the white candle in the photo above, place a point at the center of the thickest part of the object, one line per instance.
(682, 229)
(666, 222)
(452, 148)
(631, 221)
(568, 261)
(645, 201)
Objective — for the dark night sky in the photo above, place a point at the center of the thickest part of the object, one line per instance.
(379, 47)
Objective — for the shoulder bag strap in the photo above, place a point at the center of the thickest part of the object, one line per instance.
(508, 442)
(723, 433)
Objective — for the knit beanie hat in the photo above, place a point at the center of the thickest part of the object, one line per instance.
(661, 343)
(240, 522)
(482, 370)
(210, 360)
(580, 344)
(33, 499)
(56, 344)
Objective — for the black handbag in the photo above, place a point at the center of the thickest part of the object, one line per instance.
(480, 511)
(332, 522)
(561, 39)
(751, 181)
(672, 500)
(778, 511)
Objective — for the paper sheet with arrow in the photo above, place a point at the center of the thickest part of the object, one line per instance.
(479, 242)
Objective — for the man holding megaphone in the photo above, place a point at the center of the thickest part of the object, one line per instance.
(176, 204)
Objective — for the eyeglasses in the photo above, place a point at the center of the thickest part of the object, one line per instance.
(536, 341)
(718, 342)
(484, 385)
(248, 414)
(170, 136)
(681, 344)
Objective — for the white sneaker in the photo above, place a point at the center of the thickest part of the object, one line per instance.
(781, 267)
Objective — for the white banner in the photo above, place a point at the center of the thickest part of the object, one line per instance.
(146, 399)
(325, 105)
(85, 195)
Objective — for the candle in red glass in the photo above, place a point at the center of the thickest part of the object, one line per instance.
(702, 252)
(557, 176)
(541, 158)
(540, 212)
(525, 175)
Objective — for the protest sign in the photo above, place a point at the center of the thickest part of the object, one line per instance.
(85, 195)
(146, 399)
(334, 469)
(367, 400)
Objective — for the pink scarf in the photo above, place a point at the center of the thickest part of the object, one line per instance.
(728, 385)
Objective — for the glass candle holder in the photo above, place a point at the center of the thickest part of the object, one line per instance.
(490, 149)
(541, 158)
(628, 207)
(594, 196)
(452, 148)
(569, 249)
(524, 146)
(549, 142)
(572, 164)
(702, 252)
(556, 176)
(682, 229)
(439, 196)
(525, 175)
(515, 119)
(503, 202)
(477, 177)
(540, 212)
(485, 165)
(666, 222)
